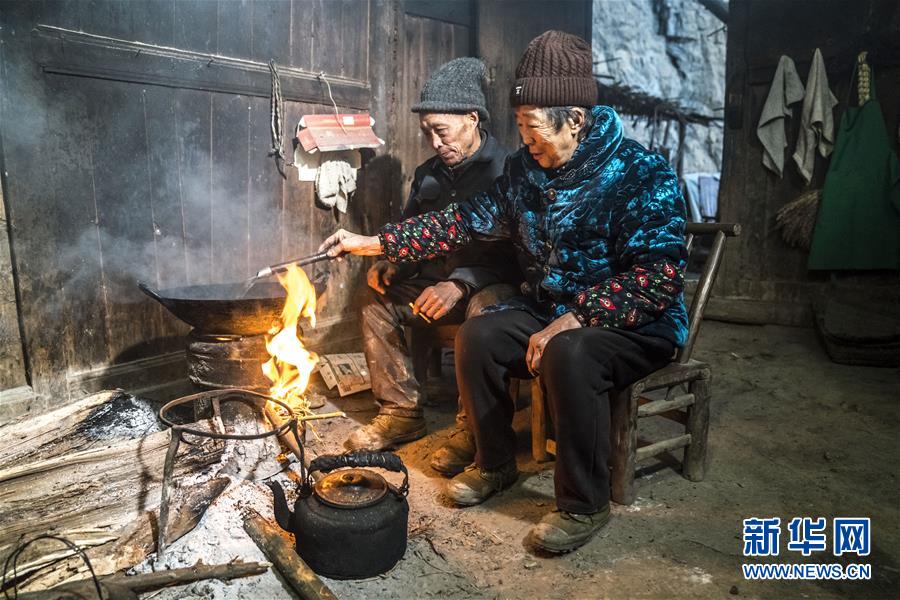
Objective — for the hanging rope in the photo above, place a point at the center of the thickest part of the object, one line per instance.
(333, 103)
(276, 110)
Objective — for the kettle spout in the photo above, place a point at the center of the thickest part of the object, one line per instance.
(283, 514)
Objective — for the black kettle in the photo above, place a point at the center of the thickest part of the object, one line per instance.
(352, 523)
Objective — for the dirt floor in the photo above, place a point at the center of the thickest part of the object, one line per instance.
(792, 434)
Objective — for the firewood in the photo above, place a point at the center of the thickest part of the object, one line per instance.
(119, 586)
(279, 549)
(59, 431)
(88, 496)
(134, 541)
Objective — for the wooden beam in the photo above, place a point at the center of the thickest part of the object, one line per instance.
(67, 52)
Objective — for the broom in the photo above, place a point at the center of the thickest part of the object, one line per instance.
(797, 219)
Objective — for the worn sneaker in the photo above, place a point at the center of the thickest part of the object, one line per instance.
(474, 485)
(453, 457)
(561, 531)
(386, 431)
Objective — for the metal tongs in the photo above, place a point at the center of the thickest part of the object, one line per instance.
(283, 266)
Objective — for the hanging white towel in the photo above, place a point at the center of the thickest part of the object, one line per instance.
(786, 90)
(816, 119)
(336, 179)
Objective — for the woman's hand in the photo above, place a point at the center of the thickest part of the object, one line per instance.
(346, 242)
(539, 340)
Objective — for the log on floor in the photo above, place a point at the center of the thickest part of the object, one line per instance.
(280, 550)
(135, 541)
(90, 422)
(69, 472)
(118, 586)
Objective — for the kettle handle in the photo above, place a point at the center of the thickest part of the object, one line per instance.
(382, 460)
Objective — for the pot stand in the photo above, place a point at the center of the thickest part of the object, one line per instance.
(215, 397)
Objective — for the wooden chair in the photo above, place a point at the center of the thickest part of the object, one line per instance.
(690, 409)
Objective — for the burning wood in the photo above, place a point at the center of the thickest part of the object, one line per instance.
(292, 364)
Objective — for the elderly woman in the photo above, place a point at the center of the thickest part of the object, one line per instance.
(598, 223)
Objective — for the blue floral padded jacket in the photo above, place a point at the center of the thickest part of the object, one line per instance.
(602, 237)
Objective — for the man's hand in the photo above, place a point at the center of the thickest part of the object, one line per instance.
(436, 301)
(380, 275)
(347, 242)
(539, 340)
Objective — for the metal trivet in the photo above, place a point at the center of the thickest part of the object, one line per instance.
(215, 397)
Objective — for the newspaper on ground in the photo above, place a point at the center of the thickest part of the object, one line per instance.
(348, 372)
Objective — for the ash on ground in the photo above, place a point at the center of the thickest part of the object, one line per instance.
(123, 417)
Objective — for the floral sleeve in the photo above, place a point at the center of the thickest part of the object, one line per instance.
(630, 299)
(484, 216)
(424, 237)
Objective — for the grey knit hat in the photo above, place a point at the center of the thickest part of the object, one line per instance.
(455, 87)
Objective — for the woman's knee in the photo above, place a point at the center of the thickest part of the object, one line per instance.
(482, 335)
(565, 355)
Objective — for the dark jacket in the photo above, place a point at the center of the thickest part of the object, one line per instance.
(435, 186)
(602, 237)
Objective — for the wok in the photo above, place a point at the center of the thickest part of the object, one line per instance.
(223, 308)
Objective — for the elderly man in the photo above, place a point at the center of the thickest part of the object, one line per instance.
(445, 290)
(598, 225)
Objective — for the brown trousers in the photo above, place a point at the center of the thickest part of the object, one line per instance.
(387, 353)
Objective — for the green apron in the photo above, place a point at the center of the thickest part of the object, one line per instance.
(858, 225)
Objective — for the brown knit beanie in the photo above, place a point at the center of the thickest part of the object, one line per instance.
(555, 70)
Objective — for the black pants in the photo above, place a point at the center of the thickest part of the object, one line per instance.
(578, 368)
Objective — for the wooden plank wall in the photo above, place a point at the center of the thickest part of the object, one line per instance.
(763, 279)
(113, 181)
(126, 162)
(12, 365)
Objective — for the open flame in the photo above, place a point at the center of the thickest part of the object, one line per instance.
(291, 364)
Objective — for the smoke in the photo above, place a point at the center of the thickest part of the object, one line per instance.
(138, 191)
